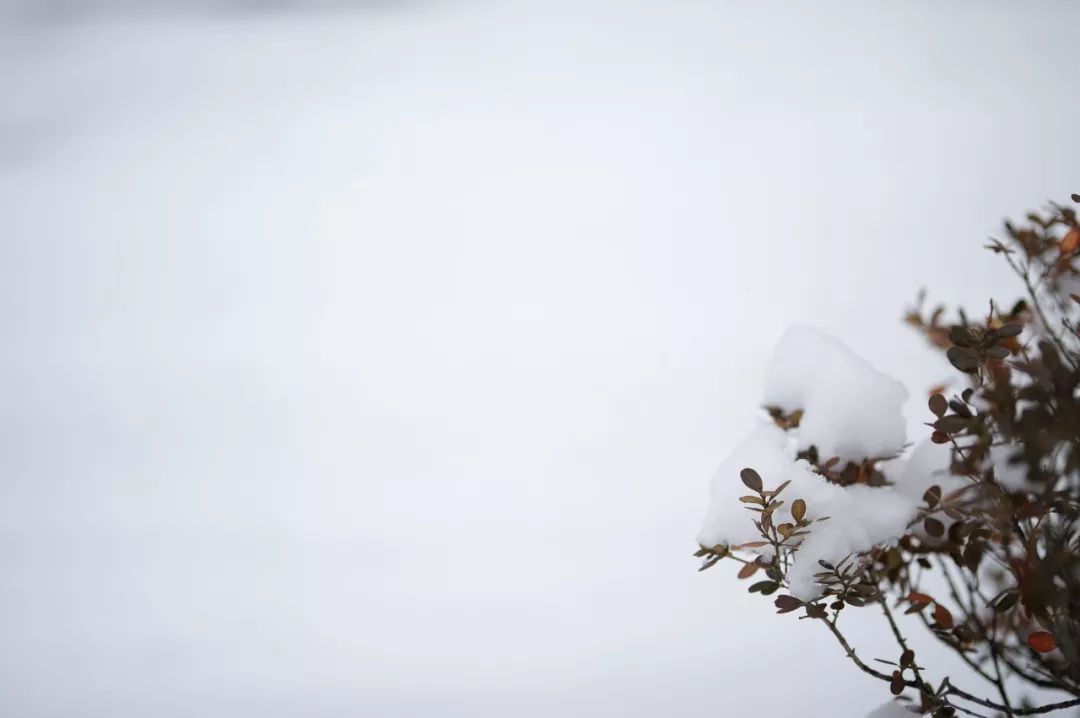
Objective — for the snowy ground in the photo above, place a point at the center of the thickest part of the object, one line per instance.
(375, 362)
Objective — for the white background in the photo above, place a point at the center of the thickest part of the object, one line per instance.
(374, 361)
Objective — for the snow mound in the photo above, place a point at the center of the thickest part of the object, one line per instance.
(892, 709)
(850, 409)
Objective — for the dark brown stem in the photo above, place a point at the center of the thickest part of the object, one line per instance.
(1026, 279)
(1039, 710)
(900, 639)
(858, 661)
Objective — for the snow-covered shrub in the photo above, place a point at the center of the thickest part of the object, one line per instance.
(974, 532)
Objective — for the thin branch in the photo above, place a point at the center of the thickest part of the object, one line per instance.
(965, 711)
(900, 639)
(1025, 277)
(858, 661)
(1049, 707)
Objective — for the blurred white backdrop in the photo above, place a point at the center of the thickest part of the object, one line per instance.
(372, 359)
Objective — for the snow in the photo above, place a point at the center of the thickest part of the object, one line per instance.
(860, 517)
(892, 709)
(767, 450)
(1012, 476)
(927, 465)
(851, 410)
(855, 411)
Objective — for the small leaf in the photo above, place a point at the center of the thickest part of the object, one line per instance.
(748, 570)
(896, 685)
(939, 437)
(764, 587)
(965, 359)
(1042, 641)
(961, 337)
(798, 509)
(907, 658)
(932, 496)
(916, 597)
(1009, 330)
(952, 424)
(973, 555)
(943, 617)
(751, 478)
(786, 604)
(752, 500)
(938, 405)
(934, 527)
(1006, 602)
(1070, 241)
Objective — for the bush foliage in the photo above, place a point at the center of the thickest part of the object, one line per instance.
(990, 565)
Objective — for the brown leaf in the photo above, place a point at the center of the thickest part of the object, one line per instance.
(748, 570)
(896, 685)
(798, 509)
(786, 604)
(938, 405)
(932, 496)
(1070, 241)
(963, 358)
(751, 478)
(943, 617)
(952, 424)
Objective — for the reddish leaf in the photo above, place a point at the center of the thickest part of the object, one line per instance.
(1070, 241)
(916, 597)
(1042, 641)
(943, 617)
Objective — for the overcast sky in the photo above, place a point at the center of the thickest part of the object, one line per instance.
(374, 360)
